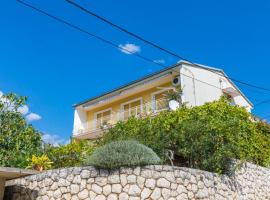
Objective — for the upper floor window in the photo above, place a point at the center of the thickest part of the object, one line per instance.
(103, 118)
(131, 108)
(160, 100)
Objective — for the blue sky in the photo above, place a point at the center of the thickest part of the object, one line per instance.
(56, 66)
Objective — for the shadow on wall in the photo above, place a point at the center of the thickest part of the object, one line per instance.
(19, 192)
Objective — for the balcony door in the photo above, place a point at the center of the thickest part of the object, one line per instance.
(102, 118)
(131, 108)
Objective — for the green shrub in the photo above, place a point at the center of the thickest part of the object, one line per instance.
(69, 155)
(122, 153)
(209, 136)
(152, 132)
(203, 137)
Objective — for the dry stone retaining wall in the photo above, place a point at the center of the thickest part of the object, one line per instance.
(149, 182)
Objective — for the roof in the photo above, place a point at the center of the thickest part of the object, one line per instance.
(128, 84)
(202, 66)
(171, 68)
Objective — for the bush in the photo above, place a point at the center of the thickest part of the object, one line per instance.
(122, 153)
(69, 155)
(203, 137)
(152, 132)
(208, 136)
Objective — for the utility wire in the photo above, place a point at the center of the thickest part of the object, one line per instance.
(158, 46)
(123, 29)
(106, 41)
(262, 102)
(88, 33)
(266, 117)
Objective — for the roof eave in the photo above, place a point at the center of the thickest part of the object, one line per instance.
(163, 71)
(127, 85)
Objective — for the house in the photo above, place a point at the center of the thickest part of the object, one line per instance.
(199, 84)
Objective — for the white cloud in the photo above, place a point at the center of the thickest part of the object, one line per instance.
(33, 117)
(161, 61)
(129, 48)
(54, 140)
(23, 109)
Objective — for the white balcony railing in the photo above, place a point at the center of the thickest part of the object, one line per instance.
(94, 128)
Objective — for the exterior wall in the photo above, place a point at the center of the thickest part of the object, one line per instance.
(80, 118)
(116, 106)
(239, 100)
(201, 86)
(150, 182)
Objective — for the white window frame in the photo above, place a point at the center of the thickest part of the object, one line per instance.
(153, 97)
(129, 102)
(96, 113)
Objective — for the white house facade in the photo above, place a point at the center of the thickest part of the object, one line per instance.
(201, 84)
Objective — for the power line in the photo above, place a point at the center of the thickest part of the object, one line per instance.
(123, 29)
(256, 91)
(105, 40)
(266, 117)
(88, 33)
(262, 102)
(158, 46)
(108, 41)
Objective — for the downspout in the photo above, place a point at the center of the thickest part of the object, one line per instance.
(194, 87)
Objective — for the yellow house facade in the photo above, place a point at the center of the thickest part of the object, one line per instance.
(143, 97)
(126, 107)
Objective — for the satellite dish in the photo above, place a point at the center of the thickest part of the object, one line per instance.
(174, 105)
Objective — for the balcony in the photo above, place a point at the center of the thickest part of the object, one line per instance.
(94, 129)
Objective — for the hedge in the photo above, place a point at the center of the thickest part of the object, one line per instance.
(203, 137)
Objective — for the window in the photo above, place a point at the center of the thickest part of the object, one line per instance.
(132, 108)
(160, 101)
(102, 118)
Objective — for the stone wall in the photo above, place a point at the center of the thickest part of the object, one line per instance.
(150, 182)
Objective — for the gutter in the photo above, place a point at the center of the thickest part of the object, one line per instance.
(131, 84)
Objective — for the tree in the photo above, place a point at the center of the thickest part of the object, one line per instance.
(18, 139)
